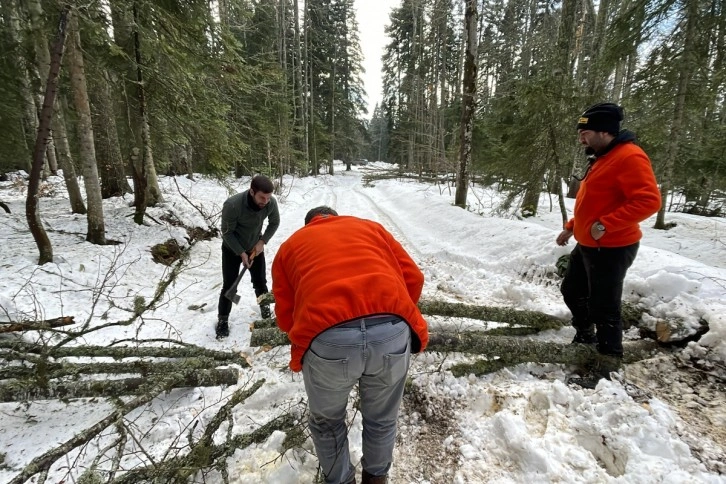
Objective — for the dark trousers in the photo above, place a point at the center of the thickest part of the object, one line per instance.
(593, 290)
(231, 264)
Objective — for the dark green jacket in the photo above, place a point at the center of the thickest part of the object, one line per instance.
(242, 224)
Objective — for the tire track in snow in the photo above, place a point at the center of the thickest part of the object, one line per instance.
(442, 276)
(380, 216)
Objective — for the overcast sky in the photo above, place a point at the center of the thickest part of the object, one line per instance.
(372, 17)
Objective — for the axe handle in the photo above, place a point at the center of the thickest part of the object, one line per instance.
(232, 291)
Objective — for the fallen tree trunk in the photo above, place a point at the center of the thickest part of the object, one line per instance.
(506, 351)
(502, 350)
(268, 337)
(631, 314)
(534, 320)
(36, 325)
(513, 317)
(120, 352)
(507, 331)
(24, 390)
(50, 371)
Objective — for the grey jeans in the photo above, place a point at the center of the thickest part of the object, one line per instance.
(375, 355)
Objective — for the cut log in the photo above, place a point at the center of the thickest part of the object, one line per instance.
(675, 333)
(268, 337)
(266, 298)
(36, 325)
(24, 390)
(145, 368)
(120, 352)
(513, 317)
(503, 351)
(506, 351)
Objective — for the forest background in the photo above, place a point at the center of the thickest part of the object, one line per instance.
(111, 93)
(482, 90)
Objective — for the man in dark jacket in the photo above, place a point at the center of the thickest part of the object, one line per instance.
(617, 192)
(244, 242)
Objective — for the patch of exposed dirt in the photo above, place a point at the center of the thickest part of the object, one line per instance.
(426, 449)
(699, 398)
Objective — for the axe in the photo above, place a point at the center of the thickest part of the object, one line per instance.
(231, 293)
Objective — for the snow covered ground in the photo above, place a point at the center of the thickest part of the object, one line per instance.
(660, 423)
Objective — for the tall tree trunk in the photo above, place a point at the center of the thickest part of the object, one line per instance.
(566, 38)
(30, 113)
(126, 35)
(153, 193)
(42, 57)
(110, 161)
(467, 104)
(96, 227)
(596, 72)
(315, 166)
(65, 159)
(301, 109)
(331, 170)
(60, 138)
(51, 89)
(684, 76)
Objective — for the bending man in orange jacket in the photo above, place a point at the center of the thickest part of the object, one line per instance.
(617, 192)
(346, 293)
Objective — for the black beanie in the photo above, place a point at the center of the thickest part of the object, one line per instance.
(601, 117)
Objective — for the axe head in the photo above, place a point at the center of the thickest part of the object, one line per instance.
(234, 297)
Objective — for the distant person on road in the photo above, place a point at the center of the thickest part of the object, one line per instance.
(244, 242)
(346, 294)
(618, 192)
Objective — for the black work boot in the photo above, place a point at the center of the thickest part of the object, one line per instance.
(222, 327)
(367, 478)
(602, 367)
(587, 337)
(265, 311)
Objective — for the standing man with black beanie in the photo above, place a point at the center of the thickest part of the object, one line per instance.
(618, 192)
(243, 242)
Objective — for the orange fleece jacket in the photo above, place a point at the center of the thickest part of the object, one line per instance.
(620, 191)
(340, 268)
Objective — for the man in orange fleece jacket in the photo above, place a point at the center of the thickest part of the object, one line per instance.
(618, 192)
(346, 294)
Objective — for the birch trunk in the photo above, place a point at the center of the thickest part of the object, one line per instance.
(96, 227)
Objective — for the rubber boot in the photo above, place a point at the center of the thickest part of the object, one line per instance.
(265, 311)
